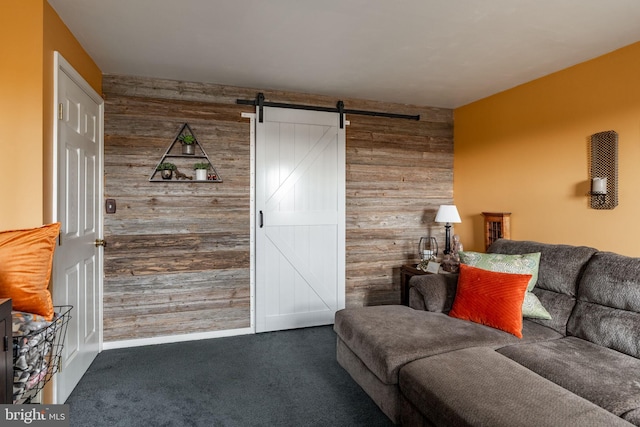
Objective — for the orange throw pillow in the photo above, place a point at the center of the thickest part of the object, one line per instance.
(490, 298)
(26, 258)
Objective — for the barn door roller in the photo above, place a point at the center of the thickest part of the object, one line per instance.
(339, 108)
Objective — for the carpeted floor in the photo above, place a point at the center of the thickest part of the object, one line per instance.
(286, 378)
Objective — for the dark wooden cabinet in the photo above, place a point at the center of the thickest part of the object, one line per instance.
(6, 360)
(497, 225)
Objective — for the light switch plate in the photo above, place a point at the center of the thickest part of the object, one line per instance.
(110, 206)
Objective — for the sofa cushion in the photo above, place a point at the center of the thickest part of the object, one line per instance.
(490, 298)
(479, 387)
(608, 309)
(520, 264)
(387, 337)
(559, 307)
(560, 265)
(560, 269)
(533, 308)
(603, 376)
(26, 259)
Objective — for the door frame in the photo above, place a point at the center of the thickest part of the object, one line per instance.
(61, 65)
(252, 220)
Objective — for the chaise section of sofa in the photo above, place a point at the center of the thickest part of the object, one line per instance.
(374, 343)
(480, 387)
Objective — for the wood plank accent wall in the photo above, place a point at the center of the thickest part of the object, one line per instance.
(177, 259)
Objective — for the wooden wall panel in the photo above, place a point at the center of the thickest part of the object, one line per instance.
(178, 255)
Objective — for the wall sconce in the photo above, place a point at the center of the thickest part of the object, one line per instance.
(604, 170)
(599, 190)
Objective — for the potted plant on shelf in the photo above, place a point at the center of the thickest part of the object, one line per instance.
(188, 144)
(166, 170)
(201, 171)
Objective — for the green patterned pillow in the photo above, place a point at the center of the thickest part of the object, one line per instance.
(519, 264)
(533, 308)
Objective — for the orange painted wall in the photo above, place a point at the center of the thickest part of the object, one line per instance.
(21, 114)
(30, 31)
(525, 151)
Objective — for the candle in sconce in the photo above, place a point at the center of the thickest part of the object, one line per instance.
(599, 186)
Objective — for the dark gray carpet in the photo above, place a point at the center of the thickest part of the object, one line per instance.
(286, 378)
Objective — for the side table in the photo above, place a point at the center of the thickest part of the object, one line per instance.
(407, 271)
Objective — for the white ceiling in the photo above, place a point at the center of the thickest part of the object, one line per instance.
(443, 53)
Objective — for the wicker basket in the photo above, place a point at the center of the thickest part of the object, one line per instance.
(43, 350)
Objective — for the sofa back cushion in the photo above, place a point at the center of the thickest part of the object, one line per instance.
(561, 267)
(607, 312)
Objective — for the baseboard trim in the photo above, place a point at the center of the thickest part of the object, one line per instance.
(175, 338)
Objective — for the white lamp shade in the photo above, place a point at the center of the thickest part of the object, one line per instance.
(448, 213)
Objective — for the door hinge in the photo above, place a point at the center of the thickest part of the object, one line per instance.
(60, 111)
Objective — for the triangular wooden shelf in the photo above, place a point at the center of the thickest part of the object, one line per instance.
(184, 162)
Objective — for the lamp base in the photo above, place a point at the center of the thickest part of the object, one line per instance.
(447, 239)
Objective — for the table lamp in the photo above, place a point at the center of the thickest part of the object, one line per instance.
(447, 214)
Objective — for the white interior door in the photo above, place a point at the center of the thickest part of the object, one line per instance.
(300, 214)
(78, 261)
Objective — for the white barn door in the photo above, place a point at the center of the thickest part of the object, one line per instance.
(300, 219)
(77, 276)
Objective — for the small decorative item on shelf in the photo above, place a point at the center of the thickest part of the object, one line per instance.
(188, 146)
(180, 175)
(428, 248)
(201, 171)
(428, 253)
(430, 266)
(166, 170)
(456, 245)
(451, 261)
(450, 264)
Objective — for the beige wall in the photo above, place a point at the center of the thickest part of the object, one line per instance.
(31, 31)
(525, 151)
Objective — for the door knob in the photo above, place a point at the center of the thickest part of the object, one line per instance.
(100, 242)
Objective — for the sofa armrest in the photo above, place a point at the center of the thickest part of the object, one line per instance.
(433, 292)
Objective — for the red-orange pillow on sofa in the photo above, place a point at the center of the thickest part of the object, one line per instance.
(490, 298)
(26, 257)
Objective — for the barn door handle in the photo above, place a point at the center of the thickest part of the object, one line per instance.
(261, 220)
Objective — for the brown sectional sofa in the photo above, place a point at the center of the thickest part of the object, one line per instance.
(582, 367)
